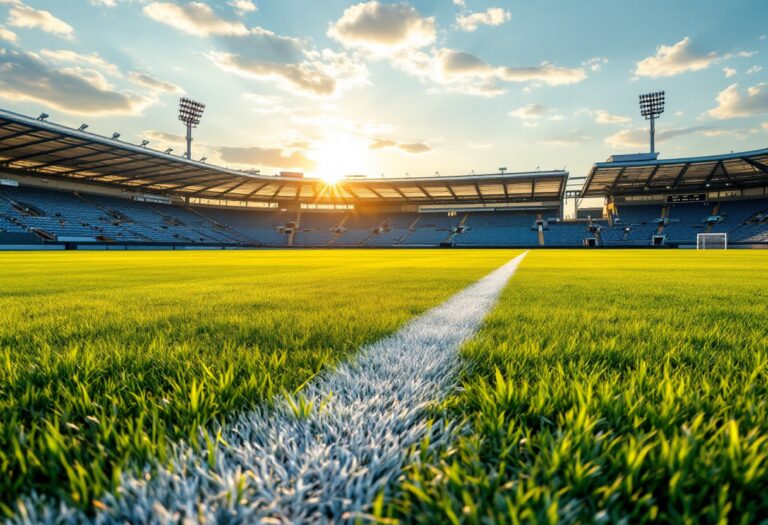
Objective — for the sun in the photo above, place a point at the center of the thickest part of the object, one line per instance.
(339, 156)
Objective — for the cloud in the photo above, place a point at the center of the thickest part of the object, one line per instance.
(574, 138)
(93, 59)
(22, 15)
(25, 77)
(382, 144)
(460, 63)
(754, 69)
(413, 148)
(383, 29)
(530, 114)
(729, 72)
(595, 63)
(104, 3)
(675, 59)
(148, 81)
(265, 46)
(461, 72)
(603, 117)
(325, 74)
(243, 6)
(268, 157)
(193, 18)
(8, 36)
(547, 73)
(493, 16)
(161, 139)
(638, 137)
(732, 104)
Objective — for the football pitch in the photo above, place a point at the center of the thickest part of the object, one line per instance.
(602, 385)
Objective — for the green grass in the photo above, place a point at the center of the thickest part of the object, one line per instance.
(105, 357)
(611, 387)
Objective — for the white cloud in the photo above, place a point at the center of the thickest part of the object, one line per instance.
(26, 77)
(8, 35)
(104, 3)
(493, 16)
(530, 114)
(324, 73)
(412, 148)
(383, 29)
(732, 104)
(148, 81)
(193, 18)
(267, 157)
(604, 117)
(243, 6)
(754, 69)
(22, 15)
(462, 72)
(546, 73)
(596, 63)
(675, 59)
(93, 59)
(638, 137)
(729, 72)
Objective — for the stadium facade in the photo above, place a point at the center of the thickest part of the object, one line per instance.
(66, 188)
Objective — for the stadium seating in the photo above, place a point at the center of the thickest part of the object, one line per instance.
(73, 218)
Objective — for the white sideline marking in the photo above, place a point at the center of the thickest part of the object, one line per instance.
(328, 467)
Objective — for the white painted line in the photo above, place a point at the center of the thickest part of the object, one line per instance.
(329, 465)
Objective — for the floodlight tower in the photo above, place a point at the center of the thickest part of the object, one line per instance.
(651, 107)
(190, 113)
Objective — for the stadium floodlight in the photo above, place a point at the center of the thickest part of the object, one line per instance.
(115, 135)
(502, 170)
(43, 116)
(168, 151)
(190, 113)
(82, 127)
(651, 107)
(144, 143)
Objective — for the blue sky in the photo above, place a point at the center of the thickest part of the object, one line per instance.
(334, 87)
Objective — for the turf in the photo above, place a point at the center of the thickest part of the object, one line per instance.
(105, 357)
(610, 387)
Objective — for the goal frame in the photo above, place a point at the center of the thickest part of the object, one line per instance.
(720, 241)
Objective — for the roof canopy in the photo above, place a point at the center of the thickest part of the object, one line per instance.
(734, 170)
(38, 148)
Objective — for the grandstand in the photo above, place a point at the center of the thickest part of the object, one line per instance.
(652, 202)
(65, 188)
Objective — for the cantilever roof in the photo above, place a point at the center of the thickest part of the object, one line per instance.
(719, 172)
(37, 148)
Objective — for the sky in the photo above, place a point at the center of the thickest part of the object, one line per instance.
(394, 89)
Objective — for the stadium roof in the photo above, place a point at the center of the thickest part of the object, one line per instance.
(39, 148)
(637, 177)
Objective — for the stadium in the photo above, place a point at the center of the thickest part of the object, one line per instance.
(64, 188)
(279, 333)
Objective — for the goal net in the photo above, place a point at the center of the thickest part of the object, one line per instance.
(712, 241)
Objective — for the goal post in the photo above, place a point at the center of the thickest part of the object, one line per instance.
(712, 241)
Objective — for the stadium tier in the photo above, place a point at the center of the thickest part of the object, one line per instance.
(61, 187)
